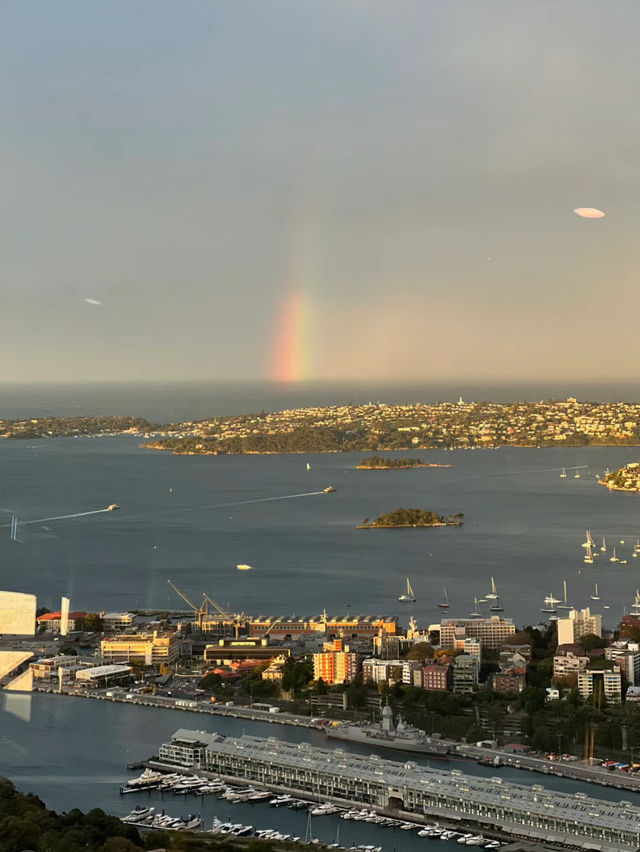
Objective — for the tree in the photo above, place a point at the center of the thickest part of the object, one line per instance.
(420, 651)
(590, 642)
(93, 623)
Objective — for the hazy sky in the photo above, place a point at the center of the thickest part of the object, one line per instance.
(326, 189)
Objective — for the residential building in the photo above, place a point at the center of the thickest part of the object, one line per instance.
(626, 655)
(274, 670)
(569, 660)
(142, 649)
(437, 678)
(492, 632)
(336, 664)
(408, 669)
(51, 621)
(508, 680)
(576, 624)
(465, 674)
(380, 671)
(608, 684)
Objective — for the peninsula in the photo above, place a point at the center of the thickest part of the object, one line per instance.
(406, 518)
(626, 478)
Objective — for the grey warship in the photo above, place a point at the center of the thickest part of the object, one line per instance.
(385, 734)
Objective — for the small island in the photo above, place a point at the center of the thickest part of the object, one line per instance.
(411, 518)
(386, 463)
(626, 478)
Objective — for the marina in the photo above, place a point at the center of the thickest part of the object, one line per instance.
(407, 789)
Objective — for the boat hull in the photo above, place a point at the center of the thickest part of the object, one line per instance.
(357, 735)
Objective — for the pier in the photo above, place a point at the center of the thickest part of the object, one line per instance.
(410, 790)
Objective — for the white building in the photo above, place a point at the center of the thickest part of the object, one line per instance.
(607, 684)
(576, 624)
(116, 621)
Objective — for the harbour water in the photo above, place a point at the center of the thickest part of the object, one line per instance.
(73, 752)
(194, 518)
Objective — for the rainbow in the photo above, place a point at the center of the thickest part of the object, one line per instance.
(291, 353)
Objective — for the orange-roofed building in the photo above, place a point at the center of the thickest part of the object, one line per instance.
(51, 621)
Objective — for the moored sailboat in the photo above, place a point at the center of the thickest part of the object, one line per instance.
(408, 596)
(596, 595)
(565, 604)
(445, 600)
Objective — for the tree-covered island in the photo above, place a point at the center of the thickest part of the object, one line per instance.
(411, 518)
(387, 463)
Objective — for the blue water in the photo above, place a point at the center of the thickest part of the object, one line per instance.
(73, 752)
(523, 526)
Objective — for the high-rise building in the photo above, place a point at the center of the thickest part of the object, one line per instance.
(576, 624)
(492, 632)
(335, 664)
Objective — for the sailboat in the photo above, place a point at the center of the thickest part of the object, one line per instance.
(408, 596)
(576, 475)
(588, 557)
(588, 540)
(475, 613)
(563, 475)
(493, 594)
(565, 605)
(595, 596)
(614, 558)
(308, 466)
(603, 548)
(445, 601)
(635, 607)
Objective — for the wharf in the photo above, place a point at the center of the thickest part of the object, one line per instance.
(574, 771)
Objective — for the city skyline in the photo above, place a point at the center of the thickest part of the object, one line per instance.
(319, 192)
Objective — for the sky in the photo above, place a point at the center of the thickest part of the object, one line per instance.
(319, 190)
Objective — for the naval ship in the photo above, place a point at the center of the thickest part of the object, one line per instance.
(386, 734)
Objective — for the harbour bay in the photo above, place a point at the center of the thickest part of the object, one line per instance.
(193, 519)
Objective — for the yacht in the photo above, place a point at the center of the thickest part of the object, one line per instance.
(563, 475)
(496, 606)
(494, 592)
(576, 475)
(550, 604)
(445, 600)
(475, 613)
(595, 596)
(329, 489)
(603, 547)
(112, 507)
(308, 466)
(564, 605)
(408, 596)
(588, 557)
(614, 558)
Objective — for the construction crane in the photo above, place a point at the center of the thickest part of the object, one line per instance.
(238, 619)
(201, 612)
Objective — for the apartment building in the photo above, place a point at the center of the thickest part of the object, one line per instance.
(576, 624)
(335, 664)
(465, 674)
(437, 678)
(604, 683)
(569, 660)
(491, 632)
